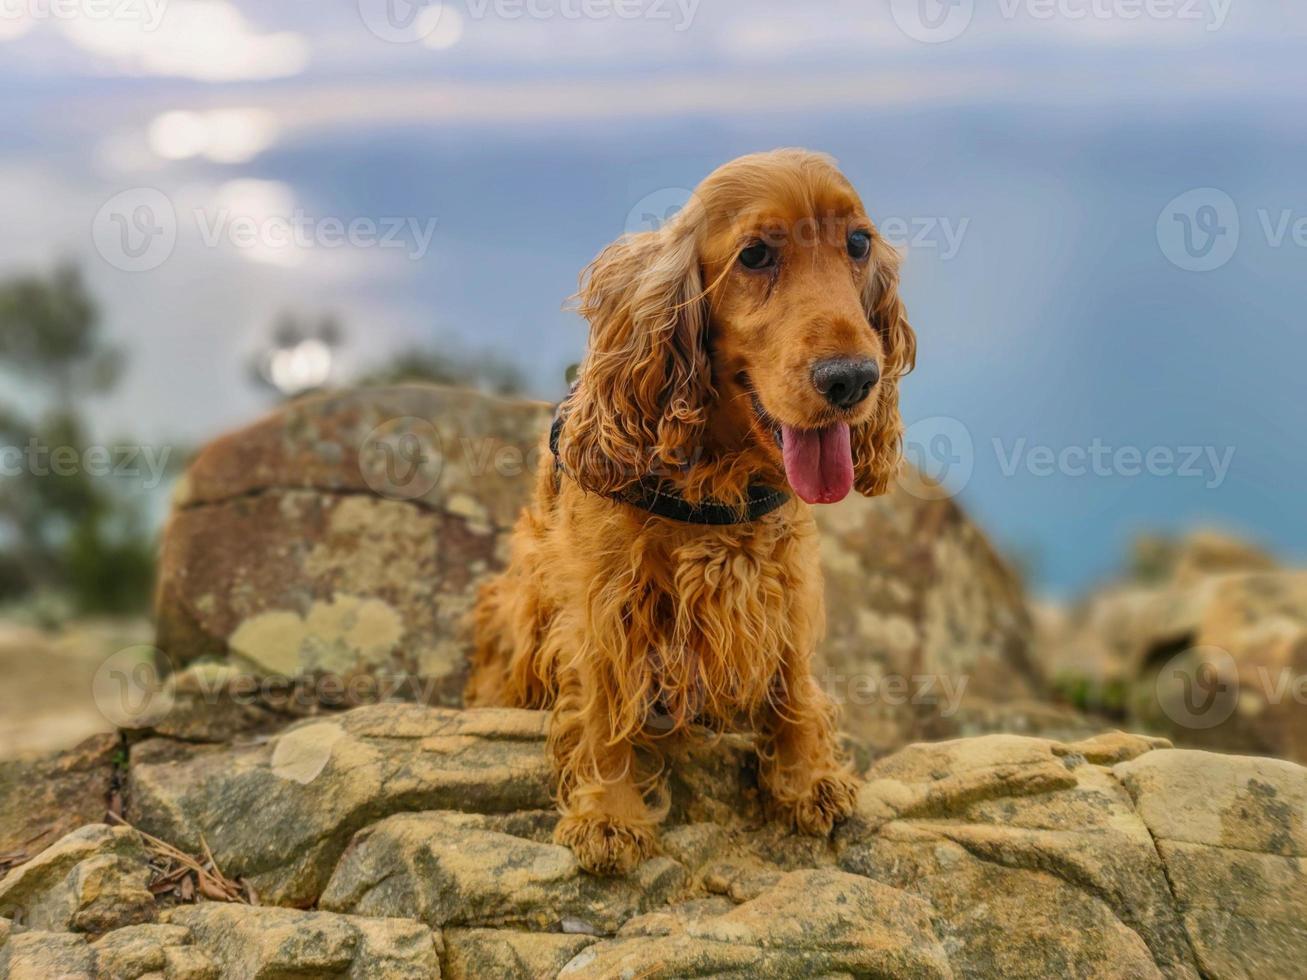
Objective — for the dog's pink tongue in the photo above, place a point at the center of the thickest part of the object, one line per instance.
(818, 462)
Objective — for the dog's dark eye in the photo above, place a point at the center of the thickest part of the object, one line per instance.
(859, 245)
(759, 255)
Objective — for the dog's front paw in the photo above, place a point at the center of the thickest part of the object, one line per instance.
(605, 846)
(826, 802)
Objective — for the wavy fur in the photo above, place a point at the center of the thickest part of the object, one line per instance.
(636, 631)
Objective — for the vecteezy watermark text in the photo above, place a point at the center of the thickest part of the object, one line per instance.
(148, 13)
(137, 230)
(680, 13)
(125, 462)
(939, 21)
(941, 233)
(407, 21)
(1100, 459)
(943, 691)
(302, 230)
(942, 458)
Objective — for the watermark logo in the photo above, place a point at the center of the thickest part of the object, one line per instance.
(1199, 230)
(401, 21)
(131, 690)
(136, 230)
(933, 21)
(941, 456)
(402, 458)
(1198, 688)
(653, 211)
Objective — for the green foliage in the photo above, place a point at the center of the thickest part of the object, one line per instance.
(1106, 698)
(49, 327)
(488, 371)
(62, 530)
(1153, 558)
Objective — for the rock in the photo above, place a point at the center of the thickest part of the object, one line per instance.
(1222, 663)
(344, 536)
(137, 950)
(693, 844)
(1233, 835)
(46, 956)
(1205, 642)
(423, 835)
(280, 813)
(93, 880)
(45, 798)
(811, 923)
(272, 942)
(1196, 555)
(1032, 856)
(450, 869)
(506, 954)
(218, 701)
(928, 631)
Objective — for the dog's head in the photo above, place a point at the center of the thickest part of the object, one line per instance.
(759, 334)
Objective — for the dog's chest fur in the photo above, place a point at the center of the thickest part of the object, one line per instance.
(734, 604)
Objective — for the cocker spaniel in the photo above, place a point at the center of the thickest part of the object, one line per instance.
(744, 363)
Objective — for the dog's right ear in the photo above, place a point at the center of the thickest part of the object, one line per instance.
(641, 400)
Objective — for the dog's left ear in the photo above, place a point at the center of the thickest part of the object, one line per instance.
(641, 400)
(878, 443)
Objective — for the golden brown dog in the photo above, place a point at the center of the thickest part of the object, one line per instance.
(756, 340)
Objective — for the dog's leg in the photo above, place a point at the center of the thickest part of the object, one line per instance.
(605, 820)
(809, 783)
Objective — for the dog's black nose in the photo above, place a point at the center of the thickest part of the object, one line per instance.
(845, 382)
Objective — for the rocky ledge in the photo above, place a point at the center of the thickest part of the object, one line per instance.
(409, 841)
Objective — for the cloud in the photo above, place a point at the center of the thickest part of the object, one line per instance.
(208, 40)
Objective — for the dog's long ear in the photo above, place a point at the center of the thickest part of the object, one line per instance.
(641, 400)
(878, 443)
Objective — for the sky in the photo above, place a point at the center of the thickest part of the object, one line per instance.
(1101, 205)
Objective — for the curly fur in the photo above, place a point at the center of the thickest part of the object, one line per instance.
(634, 629)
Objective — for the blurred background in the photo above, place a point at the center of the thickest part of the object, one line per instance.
(213, 206)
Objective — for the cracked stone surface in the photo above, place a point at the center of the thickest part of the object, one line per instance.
(280, 813)
(419, 839)
(92, 880)
(45, 797)
(345, 536)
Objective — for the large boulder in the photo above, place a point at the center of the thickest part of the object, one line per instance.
(46, 796)
(343, 537)
(420, 838)
(330, 553)
(1207, 644)
(928, 632)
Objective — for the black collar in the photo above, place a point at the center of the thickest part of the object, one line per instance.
(660, 499)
